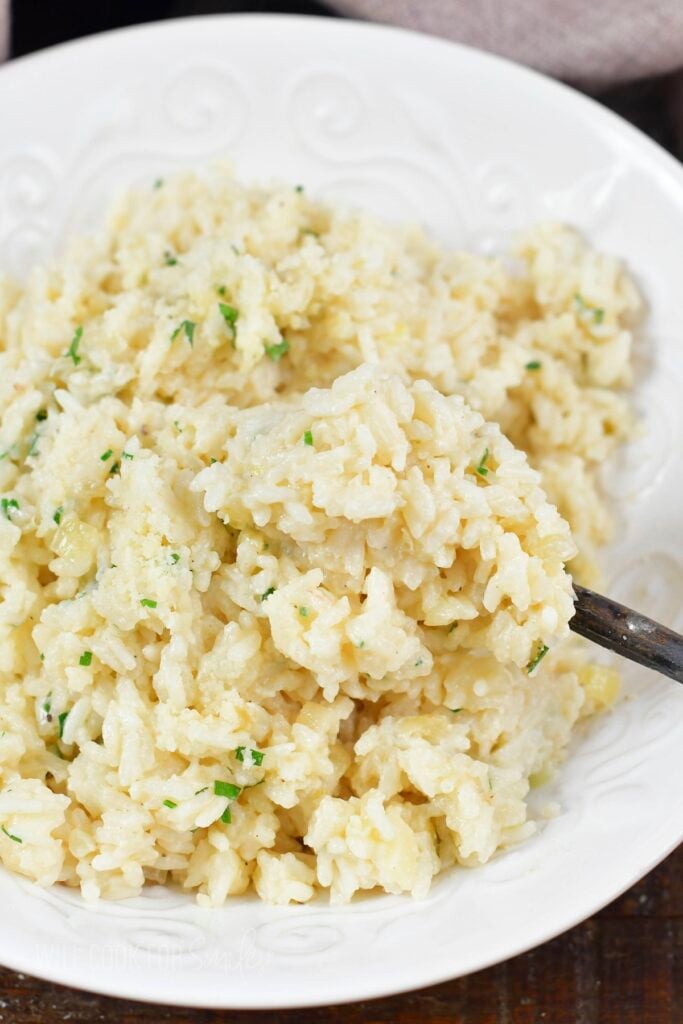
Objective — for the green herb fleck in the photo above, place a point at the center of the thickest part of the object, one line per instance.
(212, 461)
(266, 593)
(169, 259)
(15, 839)
(41, 415)
(72, 352)
(276, 352)
(188, 326)
(535, 364)
(308, 437)
(158, 183)
(175, 557)
(220, 289)
(256, 755)
(453, 625)
(115, 469)
(57, 517)
(456, 711)
(228, 789)
(127, 455)
(9, 505)
(171, 804)
(62, 719)
(32, 448)
(482, 468)
(85, 659)
(298, 188)
(303, 611)
(106, 455)
(147, 602)
(361, 644)
(231, 316)
(47, 704)
(538, 658)
(202, 790)
(596, 312)
(226, 816)
(42, 656)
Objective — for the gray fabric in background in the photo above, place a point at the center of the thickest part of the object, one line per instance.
(608, 47)
(593, 43)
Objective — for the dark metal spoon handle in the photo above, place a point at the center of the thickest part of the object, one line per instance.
(632, 635)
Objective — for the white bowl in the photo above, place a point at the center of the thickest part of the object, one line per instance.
(475, 148)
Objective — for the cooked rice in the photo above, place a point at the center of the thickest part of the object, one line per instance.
(276, 573)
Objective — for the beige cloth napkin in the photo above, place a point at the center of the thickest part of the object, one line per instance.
(594, 43)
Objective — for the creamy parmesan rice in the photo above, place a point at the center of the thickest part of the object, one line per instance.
(284, 598)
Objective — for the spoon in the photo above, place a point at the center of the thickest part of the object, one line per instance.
(628, 633)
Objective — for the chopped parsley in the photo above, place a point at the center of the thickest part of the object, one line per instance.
(57, 516)
(308, 437)
(171, 804)
(158, 183)
(361, 644)
(72, 352)
(32, 448)
(256, 755)
(537, 658)
(456, 711)
(188, 326)
(175, 557)
(266, 593)
(299, 189)
(106, 455)
(85, 659)
(228, 789)
(535, 364)
(115, 469)
(220, 289)
(47, 706)
(231, 316)
(62, 719)
(226, 816)
(15, 839)
(169, 259)
(453, 625)
(202, 790)
(127, 455)
(41, 415)
(303, 611)
(147, 602)
(482, 469)
(9, 505)
(596, 312)
(276, 352)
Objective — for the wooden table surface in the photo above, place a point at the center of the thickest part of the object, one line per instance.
(623, 966)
